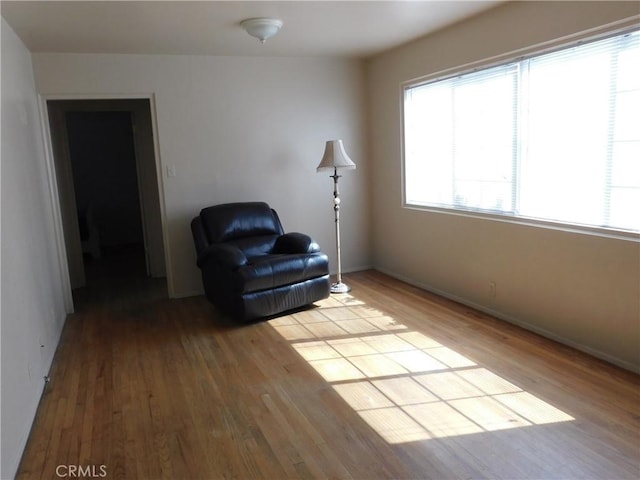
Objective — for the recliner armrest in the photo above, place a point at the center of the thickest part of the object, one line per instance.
(294, 242)
(226, 255)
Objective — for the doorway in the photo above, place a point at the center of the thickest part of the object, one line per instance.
(108, 190)
(105, 183)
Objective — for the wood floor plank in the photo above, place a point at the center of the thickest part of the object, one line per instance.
(386, 382)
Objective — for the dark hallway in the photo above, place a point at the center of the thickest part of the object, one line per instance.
(107, 197)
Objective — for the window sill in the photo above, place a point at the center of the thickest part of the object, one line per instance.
(628, 235)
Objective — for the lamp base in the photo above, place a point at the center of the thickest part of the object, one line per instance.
(340, 288)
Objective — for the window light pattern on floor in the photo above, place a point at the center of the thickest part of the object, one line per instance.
(404, 384)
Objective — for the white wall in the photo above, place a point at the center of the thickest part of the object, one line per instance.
(581, 289)
(236, 129)
(33, 310)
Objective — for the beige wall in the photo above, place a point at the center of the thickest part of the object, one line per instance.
(581, 289)
(236, 129)
(33, 309)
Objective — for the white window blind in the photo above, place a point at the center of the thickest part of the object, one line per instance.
(553, 137)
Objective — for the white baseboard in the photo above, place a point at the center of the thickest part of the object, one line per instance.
(355, 269)
(516, 321)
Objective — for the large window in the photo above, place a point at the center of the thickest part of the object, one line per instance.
(554, 137)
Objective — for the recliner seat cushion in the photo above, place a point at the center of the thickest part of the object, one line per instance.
(255, 246)
(270, 271)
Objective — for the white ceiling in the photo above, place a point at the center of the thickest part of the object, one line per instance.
(331, 28)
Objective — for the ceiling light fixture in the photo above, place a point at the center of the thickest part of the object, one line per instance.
(262, 28)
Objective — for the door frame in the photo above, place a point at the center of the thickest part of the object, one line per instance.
(54, 192)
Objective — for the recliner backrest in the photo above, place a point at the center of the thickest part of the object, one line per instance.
(238, 223)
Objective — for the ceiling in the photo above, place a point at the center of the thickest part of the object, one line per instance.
(311, 28)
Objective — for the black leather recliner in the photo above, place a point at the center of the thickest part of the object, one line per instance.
(250, 267)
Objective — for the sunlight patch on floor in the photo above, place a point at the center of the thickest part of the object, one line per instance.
(404, 384)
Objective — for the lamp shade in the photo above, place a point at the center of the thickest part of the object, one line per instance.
(335, 157)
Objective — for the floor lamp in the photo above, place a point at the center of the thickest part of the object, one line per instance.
(335, 158)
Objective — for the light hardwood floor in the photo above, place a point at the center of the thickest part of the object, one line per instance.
(385, 382)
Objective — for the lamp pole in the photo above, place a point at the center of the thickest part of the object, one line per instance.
(337, 287)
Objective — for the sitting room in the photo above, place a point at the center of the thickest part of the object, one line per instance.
(467, 305)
